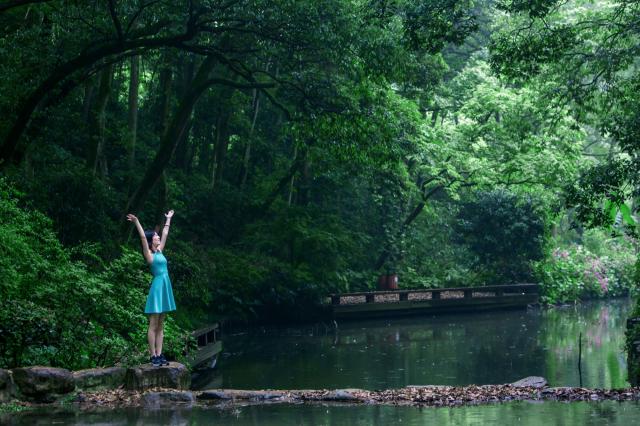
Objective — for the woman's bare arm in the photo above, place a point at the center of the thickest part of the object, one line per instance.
(145, 246)
(165, 230)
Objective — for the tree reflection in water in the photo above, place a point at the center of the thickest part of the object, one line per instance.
(484, 348)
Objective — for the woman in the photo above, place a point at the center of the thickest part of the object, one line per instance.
(160, 299)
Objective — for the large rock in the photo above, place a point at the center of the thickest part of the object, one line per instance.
(6, 386)
(146, 376)
(100, 378)
(42, 384)
(531, 381)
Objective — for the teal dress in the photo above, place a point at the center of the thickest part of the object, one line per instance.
(160, 297)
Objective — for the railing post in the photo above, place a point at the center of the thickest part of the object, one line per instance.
(468, 294)
(404, 297)
(335, 299)
(370, 298)
(435, 295)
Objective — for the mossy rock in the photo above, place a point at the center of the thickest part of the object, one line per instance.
(100, 378)
(42, 384)
(146, 376)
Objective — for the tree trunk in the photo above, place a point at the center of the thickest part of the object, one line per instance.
(247, 150)
(183, 144)
(405, 224)
(293, 177)
(163, 194)
(166, 77)
(221, 143)
(98, 120)
(87, 99)
(305, 184)
(221, 137)
(134, 83)
(434, 117)
(280, 186)
(172, 136)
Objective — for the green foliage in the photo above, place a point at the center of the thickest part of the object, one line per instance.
(432, 258)
(522, 61)
(535, 9)
(505, 232)
(10, 407)
(632, 335)
(602, 267)
(339, 134)
(55, 311)
(599, 189)
(587, 50)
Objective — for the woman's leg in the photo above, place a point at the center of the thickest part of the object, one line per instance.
(159, 338)
(151, 333)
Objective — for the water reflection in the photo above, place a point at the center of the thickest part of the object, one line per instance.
(521, 413)
(486, 348)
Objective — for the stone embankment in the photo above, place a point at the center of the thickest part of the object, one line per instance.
(49, 384)
(153, 387)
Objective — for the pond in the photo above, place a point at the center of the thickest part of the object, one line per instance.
(521, 413)
(483, 348)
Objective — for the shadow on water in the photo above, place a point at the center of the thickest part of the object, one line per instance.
(483, 348)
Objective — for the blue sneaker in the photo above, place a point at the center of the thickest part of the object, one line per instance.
(155, 361)
(162, 360)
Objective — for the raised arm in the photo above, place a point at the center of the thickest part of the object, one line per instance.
(165, 229)
(145, 246)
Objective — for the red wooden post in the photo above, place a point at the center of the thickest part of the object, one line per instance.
(382, 282)
(392, 281)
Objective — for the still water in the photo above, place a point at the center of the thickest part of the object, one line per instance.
(518, 413)
(486, 348)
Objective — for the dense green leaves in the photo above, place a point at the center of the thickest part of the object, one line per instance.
(306, 146)
(505, 233)
(57, 312)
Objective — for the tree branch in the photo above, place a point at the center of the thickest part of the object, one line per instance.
(116, 21)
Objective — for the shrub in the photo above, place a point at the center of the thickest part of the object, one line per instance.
(55, 311)
(506, 232)
(605, 269)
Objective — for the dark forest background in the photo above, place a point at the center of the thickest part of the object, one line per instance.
(306, 146)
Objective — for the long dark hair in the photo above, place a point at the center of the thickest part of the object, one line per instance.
(149, 236)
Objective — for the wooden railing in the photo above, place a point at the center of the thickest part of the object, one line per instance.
(206, 335)
(208, 346)
(632, 321)
(437, 293)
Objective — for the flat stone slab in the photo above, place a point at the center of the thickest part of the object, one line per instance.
(232, 394)
(531, 381)
(167, 399)
(146, 376)
(42, 384)
(338, 395)
(100, 378)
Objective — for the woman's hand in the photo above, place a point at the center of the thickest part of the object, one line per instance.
(169, 214)
(132, 218)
